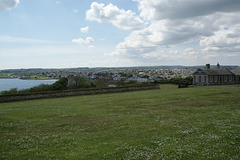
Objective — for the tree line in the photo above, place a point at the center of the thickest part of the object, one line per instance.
(79, 82)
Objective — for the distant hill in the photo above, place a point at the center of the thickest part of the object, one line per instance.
(231, 67)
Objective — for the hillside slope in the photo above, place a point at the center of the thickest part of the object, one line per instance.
(169, 123)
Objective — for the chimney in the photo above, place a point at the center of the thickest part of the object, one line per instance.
(218, 65)
(208, 66)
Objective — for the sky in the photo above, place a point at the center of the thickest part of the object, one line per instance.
(118, 33)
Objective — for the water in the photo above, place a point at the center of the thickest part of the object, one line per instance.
(7, 84)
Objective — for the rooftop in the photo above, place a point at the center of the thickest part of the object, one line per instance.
(236, 71)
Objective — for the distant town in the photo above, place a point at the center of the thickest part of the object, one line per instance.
(138, 74)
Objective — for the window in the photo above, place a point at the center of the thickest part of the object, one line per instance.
(205, 78)
(195, 78)
(199, 78)
(215, 78)
(225, 78)
(230, 78)
(211, 78)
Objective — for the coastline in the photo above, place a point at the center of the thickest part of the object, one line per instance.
(9, 83)
(38, 79)
(28, 79)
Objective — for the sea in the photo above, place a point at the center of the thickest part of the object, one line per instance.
(7, 84)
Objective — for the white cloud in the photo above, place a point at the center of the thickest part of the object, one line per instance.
(75, 10)
(190, 52)
(223, 41)
(84, 29)
(8, 4)
(58, 2)
(126, 20)
(91, 46)
(175, 23)
(9, 39)
(181, 9)
(88, 40)
(171, 32)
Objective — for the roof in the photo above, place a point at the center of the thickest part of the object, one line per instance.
(218, 71)
(237, 71)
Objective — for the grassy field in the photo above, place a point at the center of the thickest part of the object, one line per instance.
(167, 123)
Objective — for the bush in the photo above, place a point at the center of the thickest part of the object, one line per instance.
(39, 88)
(189, 79)
(77, 82)
(61, 84)
(102, 83)
(121, 82)
(10, 92)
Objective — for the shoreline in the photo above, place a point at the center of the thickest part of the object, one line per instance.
(29, 79)
(8, 83)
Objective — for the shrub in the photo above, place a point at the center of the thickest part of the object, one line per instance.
(10, 92)
(61, 84)
(102, 83)
(77, 82)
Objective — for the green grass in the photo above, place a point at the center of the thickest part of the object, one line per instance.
(5, 75)
(169, 123)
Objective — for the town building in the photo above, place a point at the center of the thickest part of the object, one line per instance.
(237, 75)
(218, 76)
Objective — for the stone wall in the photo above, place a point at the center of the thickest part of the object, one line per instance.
(10, 98)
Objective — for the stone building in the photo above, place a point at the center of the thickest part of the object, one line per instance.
(219, 76)
(237, 75)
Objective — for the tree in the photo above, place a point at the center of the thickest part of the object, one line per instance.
(121, 82)
(10, 92)
(189, 79)
(60, 84)
(102, 83)
(78, 82)
(39, 88)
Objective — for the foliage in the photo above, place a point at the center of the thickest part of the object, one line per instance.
(131, 82)
(78, 82)
(121, 82)
(61, 84)
(10, 92)
(169, 123)
(4, 75)
(189, 80)
(39, 88)
(102, 83)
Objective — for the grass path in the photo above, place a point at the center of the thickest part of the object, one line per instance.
(169, 123)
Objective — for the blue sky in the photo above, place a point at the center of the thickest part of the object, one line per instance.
(104, 33)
